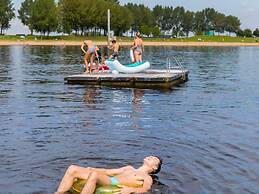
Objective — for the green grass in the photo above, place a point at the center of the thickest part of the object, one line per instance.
(128, 39)
(206, 39)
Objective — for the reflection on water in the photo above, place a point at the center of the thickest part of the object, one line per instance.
(206, 130)
(90, 96)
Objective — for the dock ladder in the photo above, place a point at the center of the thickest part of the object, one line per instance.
(179, 66)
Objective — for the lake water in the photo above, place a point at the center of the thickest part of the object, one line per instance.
(206, 130)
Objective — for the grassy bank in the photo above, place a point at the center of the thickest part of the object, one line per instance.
(128, 39)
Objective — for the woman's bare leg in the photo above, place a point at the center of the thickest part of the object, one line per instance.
(87, 58)
(136, 56)
(72, 173)
(140, 57)
(91, 62)
(94, 179)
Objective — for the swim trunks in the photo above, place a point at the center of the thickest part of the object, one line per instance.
(115, 55)
(114, 181)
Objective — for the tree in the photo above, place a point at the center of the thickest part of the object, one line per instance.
(155, 31)
(177, 21)
(90, 15)
(240, 33)
(142, 16)
(44, 16)
(113, 1)
(167, 24)
(199, 23)
(69, 12)
(122, 19)
(187, 23)
(232, 24)
(146, 30)
(6, 14)
(248, 33)
(25, 13)
(209, 14)
(158, 12)
(256, 32)
(219, 22)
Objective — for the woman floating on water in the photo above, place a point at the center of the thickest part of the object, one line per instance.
(127, 179)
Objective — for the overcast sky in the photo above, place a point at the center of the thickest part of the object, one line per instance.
(246, 10)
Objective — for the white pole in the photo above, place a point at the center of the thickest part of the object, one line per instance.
(109, 26)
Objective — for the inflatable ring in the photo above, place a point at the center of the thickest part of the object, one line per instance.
(79, 184)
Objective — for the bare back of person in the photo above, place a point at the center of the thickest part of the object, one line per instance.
(89, 54)
(138, 42)
(89, 44)
(138, 49)
(116, 47)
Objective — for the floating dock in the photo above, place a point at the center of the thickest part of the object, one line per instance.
(148, 79)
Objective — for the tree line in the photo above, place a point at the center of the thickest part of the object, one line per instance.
(89, 17)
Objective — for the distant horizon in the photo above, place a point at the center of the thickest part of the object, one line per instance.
(245, 10)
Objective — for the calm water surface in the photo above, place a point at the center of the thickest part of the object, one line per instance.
(207, 130)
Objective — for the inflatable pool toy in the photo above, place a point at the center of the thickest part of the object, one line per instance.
(128, 68)
(132, 57)
(79, 184)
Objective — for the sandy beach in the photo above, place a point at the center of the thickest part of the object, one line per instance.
(101, 43)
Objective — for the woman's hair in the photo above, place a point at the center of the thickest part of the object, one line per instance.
(138, 34)
(158, 167)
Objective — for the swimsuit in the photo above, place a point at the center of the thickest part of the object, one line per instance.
(92, 50)
(114, 181)
(138, 49)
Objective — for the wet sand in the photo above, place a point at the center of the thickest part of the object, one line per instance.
(77, 43)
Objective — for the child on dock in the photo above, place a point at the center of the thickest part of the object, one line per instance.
(115, 47)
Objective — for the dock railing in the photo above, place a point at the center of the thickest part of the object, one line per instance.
(178, 65)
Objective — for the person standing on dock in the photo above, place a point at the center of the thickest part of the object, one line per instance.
(115, 47)
(138, 47)
(90, 54)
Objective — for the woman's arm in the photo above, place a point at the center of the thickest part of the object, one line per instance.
(142, 45)
(146, 187)
(111, 172)
(110, 47)
(82, 48)
(134, 44)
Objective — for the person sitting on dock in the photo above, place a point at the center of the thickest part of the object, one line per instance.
(104, 57)
(115, 47)
(90, 54)
(127, 179)
(138, 47)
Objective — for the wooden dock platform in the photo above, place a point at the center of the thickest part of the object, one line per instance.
(148, 79)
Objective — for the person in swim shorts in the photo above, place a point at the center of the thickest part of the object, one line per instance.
(128, 179)
(89, 54)
(115, 47)
(138, 47)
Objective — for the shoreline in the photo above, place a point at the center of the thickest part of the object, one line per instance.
(103, 43)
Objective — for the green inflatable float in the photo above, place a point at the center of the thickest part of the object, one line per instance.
(79, 184)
